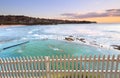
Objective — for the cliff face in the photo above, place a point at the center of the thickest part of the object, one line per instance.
(25, 20)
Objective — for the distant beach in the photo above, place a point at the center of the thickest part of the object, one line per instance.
(4, 26)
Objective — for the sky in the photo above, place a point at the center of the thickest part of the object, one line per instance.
(102, 11)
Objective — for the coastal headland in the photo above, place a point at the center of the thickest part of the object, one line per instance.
(25, 20)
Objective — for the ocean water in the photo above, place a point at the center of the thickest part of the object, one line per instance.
(48, 40)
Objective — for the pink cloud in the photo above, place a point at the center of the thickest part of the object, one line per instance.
(106, 13)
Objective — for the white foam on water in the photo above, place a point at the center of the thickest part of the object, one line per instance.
(103, 34)
(56, 49)
(8, 29)
(30, 32)
(37, 35)
(19, 51)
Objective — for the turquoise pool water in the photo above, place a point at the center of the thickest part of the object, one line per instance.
(52, 47)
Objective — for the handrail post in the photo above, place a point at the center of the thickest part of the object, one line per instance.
(47, 66)
(1, 67)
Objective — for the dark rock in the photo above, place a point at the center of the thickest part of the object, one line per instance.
(94, 43)
(69, 39)
(116, 47)
(70, 36)
(81, 39)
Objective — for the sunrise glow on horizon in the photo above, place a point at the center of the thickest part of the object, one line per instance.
(105, 19)
(101, 11)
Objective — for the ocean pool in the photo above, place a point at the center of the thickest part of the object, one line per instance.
(49, 40)
(53, 47)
